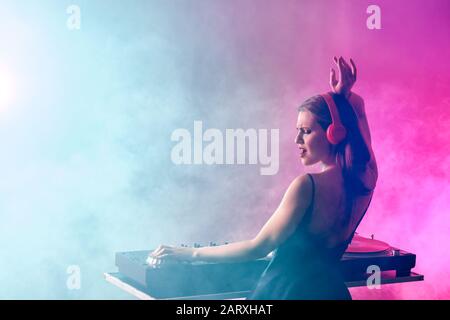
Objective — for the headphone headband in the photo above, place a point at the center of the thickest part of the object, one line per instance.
(333, 109)
(336, 132)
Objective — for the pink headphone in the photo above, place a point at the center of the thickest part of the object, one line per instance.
(336, 132)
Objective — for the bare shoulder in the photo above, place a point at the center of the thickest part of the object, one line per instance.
(300, 188)
(302, 182)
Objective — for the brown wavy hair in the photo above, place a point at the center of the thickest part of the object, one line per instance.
(352, 154)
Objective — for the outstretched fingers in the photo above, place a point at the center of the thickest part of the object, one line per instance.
(347, 72)
(353, 68)
(162, 249)
(340, 67)
(345, 66)
(333, 80)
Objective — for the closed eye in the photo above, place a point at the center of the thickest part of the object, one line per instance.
(305, 130)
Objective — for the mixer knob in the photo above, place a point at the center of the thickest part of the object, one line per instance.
(197, 245)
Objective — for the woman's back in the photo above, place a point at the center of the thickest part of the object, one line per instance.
(306, 265)
(328, 218)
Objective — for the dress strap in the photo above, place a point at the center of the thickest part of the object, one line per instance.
(311, 206)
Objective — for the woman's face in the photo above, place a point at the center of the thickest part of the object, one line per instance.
(311, 139)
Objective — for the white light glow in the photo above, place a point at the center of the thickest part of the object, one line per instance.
(6, 88)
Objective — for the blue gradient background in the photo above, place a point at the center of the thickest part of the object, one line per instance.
(86, 167)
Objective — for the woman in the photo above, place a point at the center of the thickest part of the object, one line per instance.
(319, 213)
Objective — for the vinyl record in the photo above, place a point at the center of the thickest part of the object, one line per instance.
(360, 244)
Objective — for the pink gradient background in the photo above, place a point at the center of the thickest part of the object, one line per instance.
(403, 77)
(405, 82)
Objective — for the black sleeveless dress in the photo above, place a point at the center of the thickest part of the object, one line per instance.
(303, 268)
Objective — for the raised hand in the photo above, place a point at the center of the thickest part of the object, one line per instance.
(346, 78)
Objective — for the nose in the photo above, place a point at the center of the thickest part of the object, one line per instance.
(299, 138)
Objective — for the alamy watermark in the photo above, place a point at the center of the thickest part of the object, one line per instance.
(374, 280)
(374, 20)
(74, 279)
(74, 19)
(227, 148)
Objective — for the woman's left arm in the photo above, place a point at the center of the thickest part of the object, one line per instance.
(277, 229)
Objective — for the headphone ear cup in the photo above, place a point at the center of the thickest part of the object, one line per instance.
(336, 133)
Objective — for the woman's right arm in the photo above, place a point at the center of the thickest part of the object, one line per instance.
(358, 105)
(343, 85)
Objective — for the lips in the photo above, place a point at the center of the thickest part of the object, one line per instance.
(302, 151)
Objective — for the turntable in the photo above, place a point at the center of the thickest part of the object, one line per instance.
(201, 280)
(362, 253)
